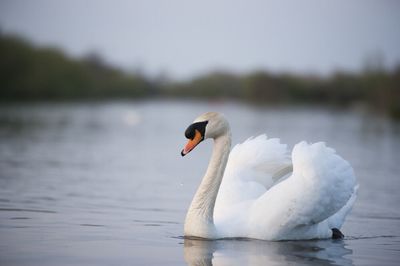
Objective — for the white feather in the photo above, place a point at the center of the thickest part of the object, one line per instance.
(313, 199)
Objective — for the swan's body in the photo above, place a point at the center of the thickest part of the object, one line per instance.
(252, 191)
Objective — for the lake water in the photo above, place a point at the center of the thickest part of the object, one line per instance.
(104, 184)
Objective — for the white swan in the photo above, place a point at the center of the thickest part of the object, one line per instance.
(252, 191)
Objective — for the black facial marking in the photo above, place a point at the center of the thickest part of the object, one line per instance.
(191, 130)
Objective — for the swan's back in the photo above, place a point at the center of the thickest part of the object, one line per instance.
(253, 202)
(250, 169)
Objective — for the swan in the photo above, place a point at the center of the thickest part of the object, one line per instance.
(259, 191)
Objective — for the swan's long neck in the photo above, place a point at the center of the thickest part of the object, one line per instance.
(199, 219)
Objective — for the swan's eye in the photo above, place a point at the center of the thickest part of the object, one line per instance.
(189, 133)
(191, 130)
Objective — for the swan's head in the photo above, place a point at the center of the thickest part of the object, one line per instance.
(208, 125)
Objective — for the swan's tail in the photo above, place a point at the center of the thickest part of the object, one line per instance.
(337, 220)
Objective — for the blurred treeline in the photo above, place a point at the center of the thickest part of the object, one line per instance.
(31, 73)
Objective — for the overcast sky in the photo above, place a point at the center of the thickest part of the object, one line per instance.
(184, 38)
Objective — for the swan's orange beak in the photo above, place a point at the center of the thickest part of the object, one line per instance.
(192, 143)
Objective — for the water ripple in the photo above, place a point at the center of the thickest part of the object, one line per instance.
(369, 237)
(25, 210)
(155, 222)
(93, 225)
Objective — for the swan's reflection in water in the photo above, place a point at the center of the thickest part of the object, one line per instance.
(256, 252)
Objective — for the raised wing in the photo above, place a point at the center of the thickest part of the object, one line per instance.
(321, 184)
(253, 167)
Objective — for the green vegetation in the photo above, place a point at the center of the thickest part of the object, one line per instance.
(29, 73)
(375, 88)
(32, 73)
